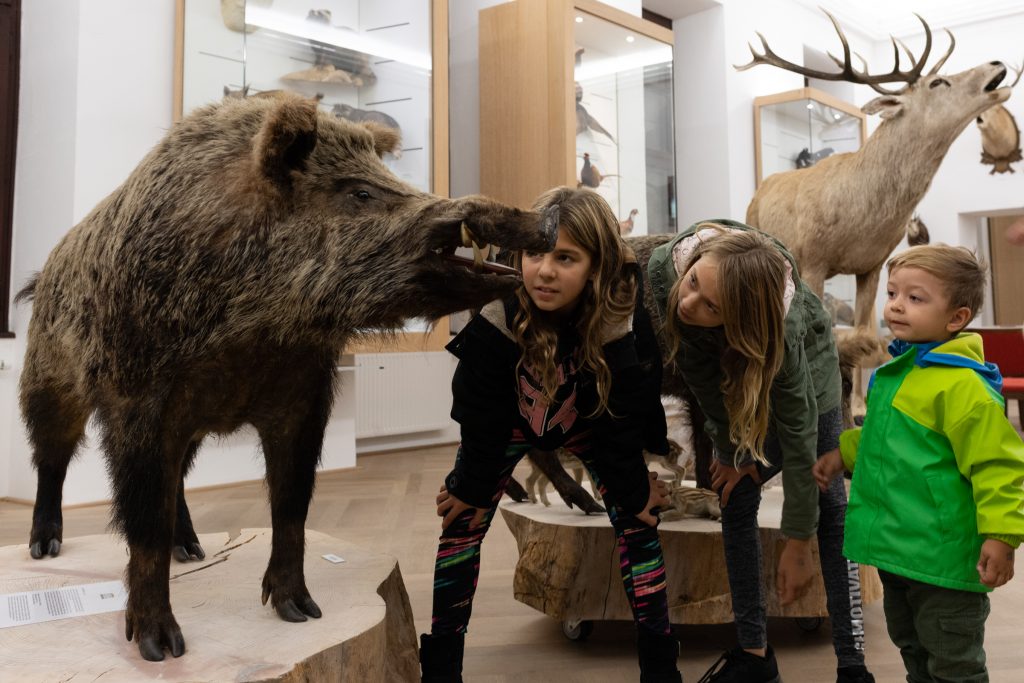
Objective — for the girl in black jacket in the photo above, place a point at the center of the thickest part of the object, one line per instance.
(558, 364)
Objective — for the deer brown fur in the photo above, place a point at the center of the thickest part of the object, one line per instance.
(216, 287)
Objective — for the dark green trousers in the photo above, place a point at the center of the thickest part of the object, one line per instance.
(940, 631)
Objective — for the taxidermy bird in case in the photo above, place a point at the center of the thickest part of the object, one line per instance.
(590, 176)
(334, 64)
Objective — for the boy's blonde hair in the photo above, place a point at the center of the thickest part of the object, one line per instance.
(962, 273)
(607, 300)
(751, 287)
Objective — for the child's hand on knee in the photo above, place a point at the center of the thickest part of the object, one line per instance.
(828, 467)
(995, 563)
(725, 477)
(450, 507)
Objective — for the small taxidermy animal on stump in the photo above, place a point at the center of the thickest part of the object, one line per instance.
(590, 176)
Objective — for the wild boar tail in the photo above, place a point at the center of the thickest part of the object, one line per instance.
(28, 291)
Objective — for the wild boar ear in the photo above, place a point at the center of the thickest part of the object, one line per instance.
(286, 139)
(888, 106)
(385, 138)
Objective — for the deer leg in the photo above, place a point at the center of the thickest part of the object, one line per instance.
(56, 423)
(292, 440)
(867, 290)
(864, 318)
(815, 279)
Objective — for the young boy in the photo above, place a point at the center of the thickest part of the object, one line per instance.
(937, 502)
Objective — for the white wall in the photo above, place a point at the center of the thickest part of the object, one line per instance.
(963, 191)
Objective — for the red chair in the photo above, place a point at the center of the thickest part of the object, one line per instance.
(1004, 346)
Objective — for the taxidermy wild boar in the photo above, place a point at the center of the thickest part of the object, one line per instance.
(1000, 139)
(216, 287)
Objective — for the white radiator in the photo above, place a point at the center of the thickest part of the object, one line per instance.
(402, 393)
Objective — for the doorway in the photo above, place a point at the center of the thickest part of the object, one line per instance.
(1007, 263)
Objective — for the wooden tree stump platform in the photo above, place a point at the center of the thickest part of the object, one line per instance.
(569, 566)
(366, 632)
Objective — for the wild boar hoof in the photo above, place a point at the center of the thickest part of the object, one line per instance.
(188, 551)
(295, 609)
(154, 635)
(52, 549)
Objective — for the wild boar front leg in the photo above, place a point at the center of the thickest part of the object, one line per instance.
(291, 446)
(147, 473)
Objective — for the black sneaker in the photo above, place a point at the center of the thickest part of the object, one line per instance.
(854, 674)
(740, 666)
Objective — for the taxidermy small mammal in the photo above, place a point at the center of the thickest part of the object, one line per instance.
(216, 287)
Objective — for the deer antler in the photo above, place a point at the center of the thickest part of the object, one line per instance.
(849, 73)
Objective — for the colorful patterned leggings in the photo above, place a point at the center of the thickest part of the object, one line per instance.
(457, 567)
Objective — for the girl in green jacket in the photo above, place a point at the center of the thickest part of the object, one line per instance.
(755, 347)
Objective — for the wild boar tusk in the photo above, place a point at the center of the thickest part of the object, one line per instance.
(478, 257)
(467, 236)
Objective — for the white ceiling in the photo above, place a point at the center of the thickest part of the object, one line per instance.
(876, 18)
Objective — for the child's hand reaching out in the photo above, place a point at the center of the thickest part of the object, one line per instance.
(828, 467)
(995, 563)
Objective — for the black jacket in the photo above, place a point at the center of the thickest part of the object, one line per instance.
(486, 405)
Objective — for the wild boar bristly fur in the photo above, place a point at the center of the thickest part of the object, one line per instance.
(215, 287)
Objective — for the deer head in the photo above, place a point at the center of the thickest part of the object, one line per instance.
(937, 105)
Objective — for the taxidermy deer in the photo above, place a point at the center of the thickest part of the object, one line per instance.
(848, 212)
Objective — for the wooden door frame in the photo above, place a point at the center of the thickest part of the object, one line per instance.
(10, 20)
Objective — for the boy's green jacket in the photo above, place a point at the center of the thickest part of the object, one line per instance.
(807, 385)
(939, 468)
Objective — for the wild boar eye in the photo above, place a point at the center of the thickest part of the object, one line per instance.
(362, 195)
(937, 82)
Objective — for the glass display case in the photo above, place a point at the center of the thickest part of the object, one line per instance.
(578, 93)
(624, 122)
(796, 129)
(362, 59)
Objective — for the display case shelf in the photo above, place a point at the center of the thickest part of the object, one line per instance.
(578, 93)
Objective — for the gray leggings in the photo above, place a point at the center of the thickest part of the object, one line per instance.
(742, 540)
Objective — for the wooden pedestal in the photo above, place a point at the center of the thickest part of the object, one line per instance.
(569, 566)
(366, 632)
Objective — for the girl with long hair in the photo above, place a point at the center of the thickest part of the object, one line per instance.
(755, 347)
(561, 363)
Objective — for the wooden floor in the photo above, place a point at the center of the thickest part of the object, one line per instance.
(386, 503)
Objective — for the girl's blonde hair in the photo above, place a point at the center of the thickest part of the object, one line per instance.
(607, 299)
(751, 289)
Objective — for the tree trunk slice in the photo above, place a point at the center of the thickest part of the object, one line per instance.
(366, 632)
(569, 566)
